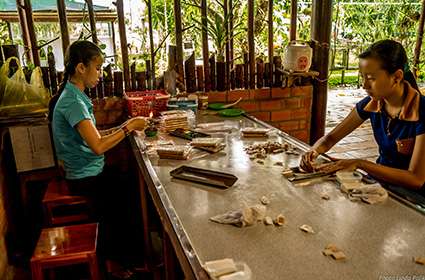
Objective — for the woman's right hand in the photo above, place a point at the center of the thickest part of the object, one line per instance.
(308, 159)
(137, 123)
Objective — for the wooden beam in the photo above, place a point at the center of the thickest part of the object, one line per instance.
(24, 29)
(31, 32)
(179, 39)
(293, 28)
(92, 21)
(419, 40)
(123, 41)
(205, 52)
(321, 34)
(251, 47)
(270, 44)
(152, 47)
(63, 24)
(53, 16)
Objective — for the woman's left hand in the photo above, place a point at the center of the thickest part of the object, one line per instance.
(342, 164)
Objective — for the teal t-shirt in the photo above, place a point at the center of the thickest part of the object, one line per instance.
(79, 160)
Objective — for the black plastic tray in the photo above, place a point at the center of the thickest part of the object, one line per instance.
(188, 134)
(204, 176)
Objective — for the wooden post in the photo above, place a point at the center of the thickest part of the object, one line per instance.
(108, 78)
(9, 30)
(31, 32)
(293, 28)
(63, 25)
(114, 45)
(148, 75)
(419, 39)
(226, 46)
(205, 52)
(269, 79)
(260, 73)
(321, 33)
(152, 47)
(123, 40)
(52, 72)
(92, 21)
(190, 74)
(24, 29)
(118, 83)
(179, 38)
(251, 47)
(239, 76)
(245, 71)
(212, 72)
(200, 77)
(267, 74)
(46, 80)
(141, 80)
(277, 62)
(221, 73)
(133, 76)
(231, 53)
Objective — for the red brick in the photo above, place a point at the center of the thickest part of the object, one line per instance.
(236, 94)
(292, 103)
(281, 92)
(270, 105)
(216, 96)
(302, 91)
(307, 103)
(249, 106)
(261, 93)
(289, 125)
(301, 135)
(299, 114)
(281, 115)
(263, 116)
(303, 124)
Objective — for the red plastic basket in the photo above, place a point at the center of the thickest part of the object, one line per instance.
(141, 103)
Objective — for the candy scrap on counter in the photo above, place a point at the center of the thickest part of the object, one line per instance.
(264, 200)
(334, 252)
(220, 267)
(307, 228)
(268, 221)
(419, 260)
(280, 220)
(325, 196)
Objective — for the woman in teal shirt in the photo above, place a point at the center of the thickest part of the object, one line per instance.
(396, 110)
(80, 146)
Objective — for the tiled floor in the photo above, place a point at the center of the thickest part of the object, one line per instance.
(360, 143)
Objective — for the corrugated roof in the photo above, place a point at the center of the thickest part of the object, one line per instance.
(48, 5)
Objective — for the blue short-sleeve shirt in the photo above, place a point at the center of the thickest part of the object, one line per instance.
(79, 160)
(395, 137)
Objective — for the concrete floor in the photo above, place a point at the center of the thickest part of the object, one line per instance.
(360, 143)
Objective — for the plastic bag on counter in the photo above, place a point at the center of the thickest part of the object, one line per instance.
(20, 97)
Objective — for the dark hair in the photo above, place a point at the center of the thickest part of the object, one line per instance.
(77, 52)
(392, 57)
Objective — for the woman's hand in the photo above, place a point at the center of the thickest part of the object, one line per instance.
(137, 123)
(308, 159)
(342, 164)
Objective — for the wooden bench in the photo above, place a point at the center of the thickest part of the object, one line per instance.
(64, 246)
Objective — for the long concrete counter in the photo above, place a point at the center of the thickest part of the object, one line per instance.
(379, 240)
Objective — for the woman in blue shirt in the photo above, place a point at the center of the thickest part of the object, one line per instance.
(396, 110)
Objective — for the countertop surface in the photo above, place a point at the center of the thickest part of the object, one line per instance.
(379, 240)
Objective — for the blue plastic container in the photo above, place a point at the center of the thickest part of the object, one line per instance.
(183, 105)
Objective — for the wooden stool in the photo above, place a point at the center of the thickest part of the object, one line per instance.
(68, 245)
(62, 208)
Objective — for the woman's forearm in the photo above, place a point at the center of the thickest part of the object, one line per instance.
(391, 175)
